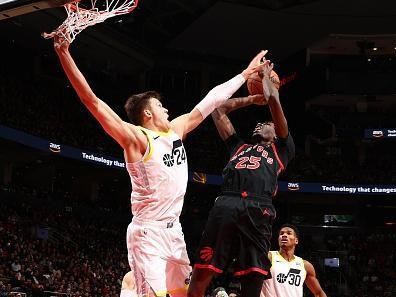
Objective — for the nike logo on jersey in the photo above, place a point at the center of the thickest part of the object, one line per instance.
(156, 137)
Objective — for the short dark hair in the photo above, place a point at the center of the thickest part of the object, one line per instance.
(294, 228)
(136, 103)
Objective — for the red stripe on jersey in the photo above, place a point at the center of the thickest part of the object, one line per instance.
(207, 266)
(251, 269)
(239, 150)
(277, 158)
(276, 191)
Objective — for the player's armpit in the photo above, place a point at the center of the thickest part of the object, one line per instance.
(185, 123)
(270, 257)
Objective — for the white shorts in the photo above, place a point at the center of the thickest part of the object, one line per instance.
(158, 256)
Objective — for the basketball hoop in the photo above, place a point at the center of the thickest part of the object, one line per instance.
(79, 18)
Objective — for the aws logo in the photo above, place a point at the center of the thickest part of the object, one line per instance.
(293, 186)
(378, 133)
(55, 148)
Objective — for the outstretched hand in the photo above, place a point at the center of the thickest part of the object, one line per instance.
(267, 68)
(255, 64)
(269, 89)
(61, 43)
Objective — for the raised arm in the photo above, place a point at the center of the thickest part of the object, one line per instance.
(215, 98)
(124, 133)
(312, 282)
(272, 94)
(220, 118)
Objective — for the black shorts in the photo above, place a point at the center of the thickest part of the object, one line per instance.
(239, 229)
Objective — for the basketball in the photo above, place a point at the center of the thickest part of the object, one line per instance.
(255, 86)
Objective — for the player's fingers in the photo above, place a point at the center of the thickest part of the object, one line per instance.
(56, 41)
(265, 62)
(263, 59)
(262, 66)
(260, 55)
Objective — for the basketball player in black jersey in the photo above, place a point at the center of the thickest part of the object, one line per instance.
(239, 224)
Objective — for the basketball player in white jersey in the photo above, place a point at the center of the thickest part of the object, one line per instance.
(157, 164)
(289, 272)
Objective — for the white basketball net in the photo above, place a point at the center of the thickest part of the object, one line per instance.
(80, 18)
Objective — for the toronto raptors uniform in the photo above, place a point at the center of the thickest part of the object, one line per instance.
(287, 277)
(240, 223)
(156, 248)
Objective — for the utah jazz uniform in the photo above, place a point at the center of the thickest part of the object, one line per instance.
(287, 277)
(240, 223)
(156, 248)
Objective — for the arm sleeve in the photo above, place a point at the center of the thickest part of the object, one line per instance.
(219, 94)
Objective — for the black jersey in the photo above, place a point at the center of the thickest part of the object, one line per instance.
(253, 169)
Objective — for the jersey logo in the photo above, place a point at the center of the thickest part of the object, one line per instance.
(252, 162)
(168, 160)
(206, 253)
(178, 155)
(292, 277)
(281, 278)
(156, 137)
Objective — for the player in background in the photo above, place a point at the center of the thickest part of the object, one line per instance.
(290, 272)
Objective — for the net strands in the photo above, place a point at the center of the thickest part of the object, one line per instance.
(79, 18)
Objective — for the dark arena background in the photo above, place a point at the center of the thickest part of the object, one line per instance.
(64, 190)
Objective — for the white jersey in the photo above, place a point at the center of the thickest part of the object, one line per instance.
(159, 180)
(287, 277)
